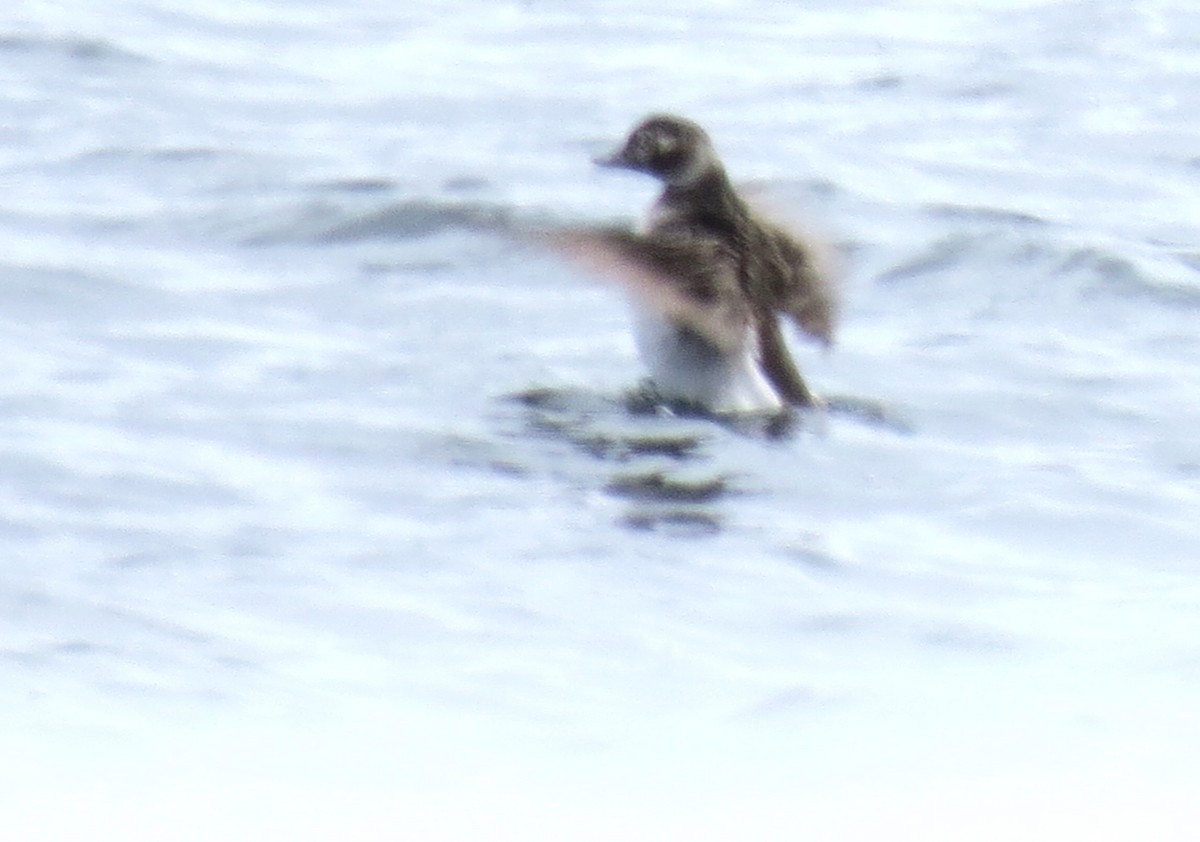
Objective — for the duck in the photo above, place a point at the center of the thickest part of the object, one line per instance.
(711, 279)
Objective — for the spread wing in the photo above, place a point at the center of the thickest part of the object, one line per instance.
(807, 291)
(809, 297)
(692, 279)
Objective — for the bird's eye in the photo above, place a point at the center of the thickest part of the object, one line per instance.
(666, 143)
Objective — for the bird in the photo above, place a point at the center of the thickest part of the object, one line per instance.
(712, 279)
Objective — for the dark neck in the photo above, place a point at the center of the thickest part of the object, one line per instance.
(711, 204)
(710, 201)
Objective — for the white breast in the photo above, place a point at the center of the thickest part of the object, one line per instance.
(685, 367)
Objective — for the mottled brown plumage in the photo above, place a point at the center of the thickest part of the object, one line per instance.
(715, 269)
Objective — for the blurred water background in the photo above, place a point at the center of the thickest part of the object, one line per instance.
(321, 516)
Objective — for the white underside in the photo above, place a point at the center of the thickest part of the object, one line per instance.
(686, 368)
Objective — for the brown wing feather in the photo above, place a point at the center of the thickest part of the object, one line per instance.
(807, 289)
(809, 299)
(690, 279)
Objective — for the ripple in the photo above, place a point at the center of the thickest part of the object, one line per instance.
(91, 50)
(985, 214)
(945, 254)
(868, 411)
(42, 294)
(358, 185)
(1112, 272)
(661, 487)
(327, 220)
(663, 473)
(130, 155)
(416, 218)
(675, 521)
(968, 638)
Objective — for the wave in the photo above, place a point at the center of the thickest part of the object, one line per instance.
(1164, 279)
(417, 218)
(90, 50)
(1026, 260)
(331, 217)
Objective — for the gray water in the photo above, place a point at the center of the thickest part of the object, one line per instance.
(322, 514)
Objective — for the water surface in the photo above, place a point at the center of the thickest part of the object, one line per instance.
(323, 512)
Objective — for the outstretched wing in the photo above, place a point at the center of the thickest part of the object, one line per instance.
(809, 297)
(805, 287)
(692, 279)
